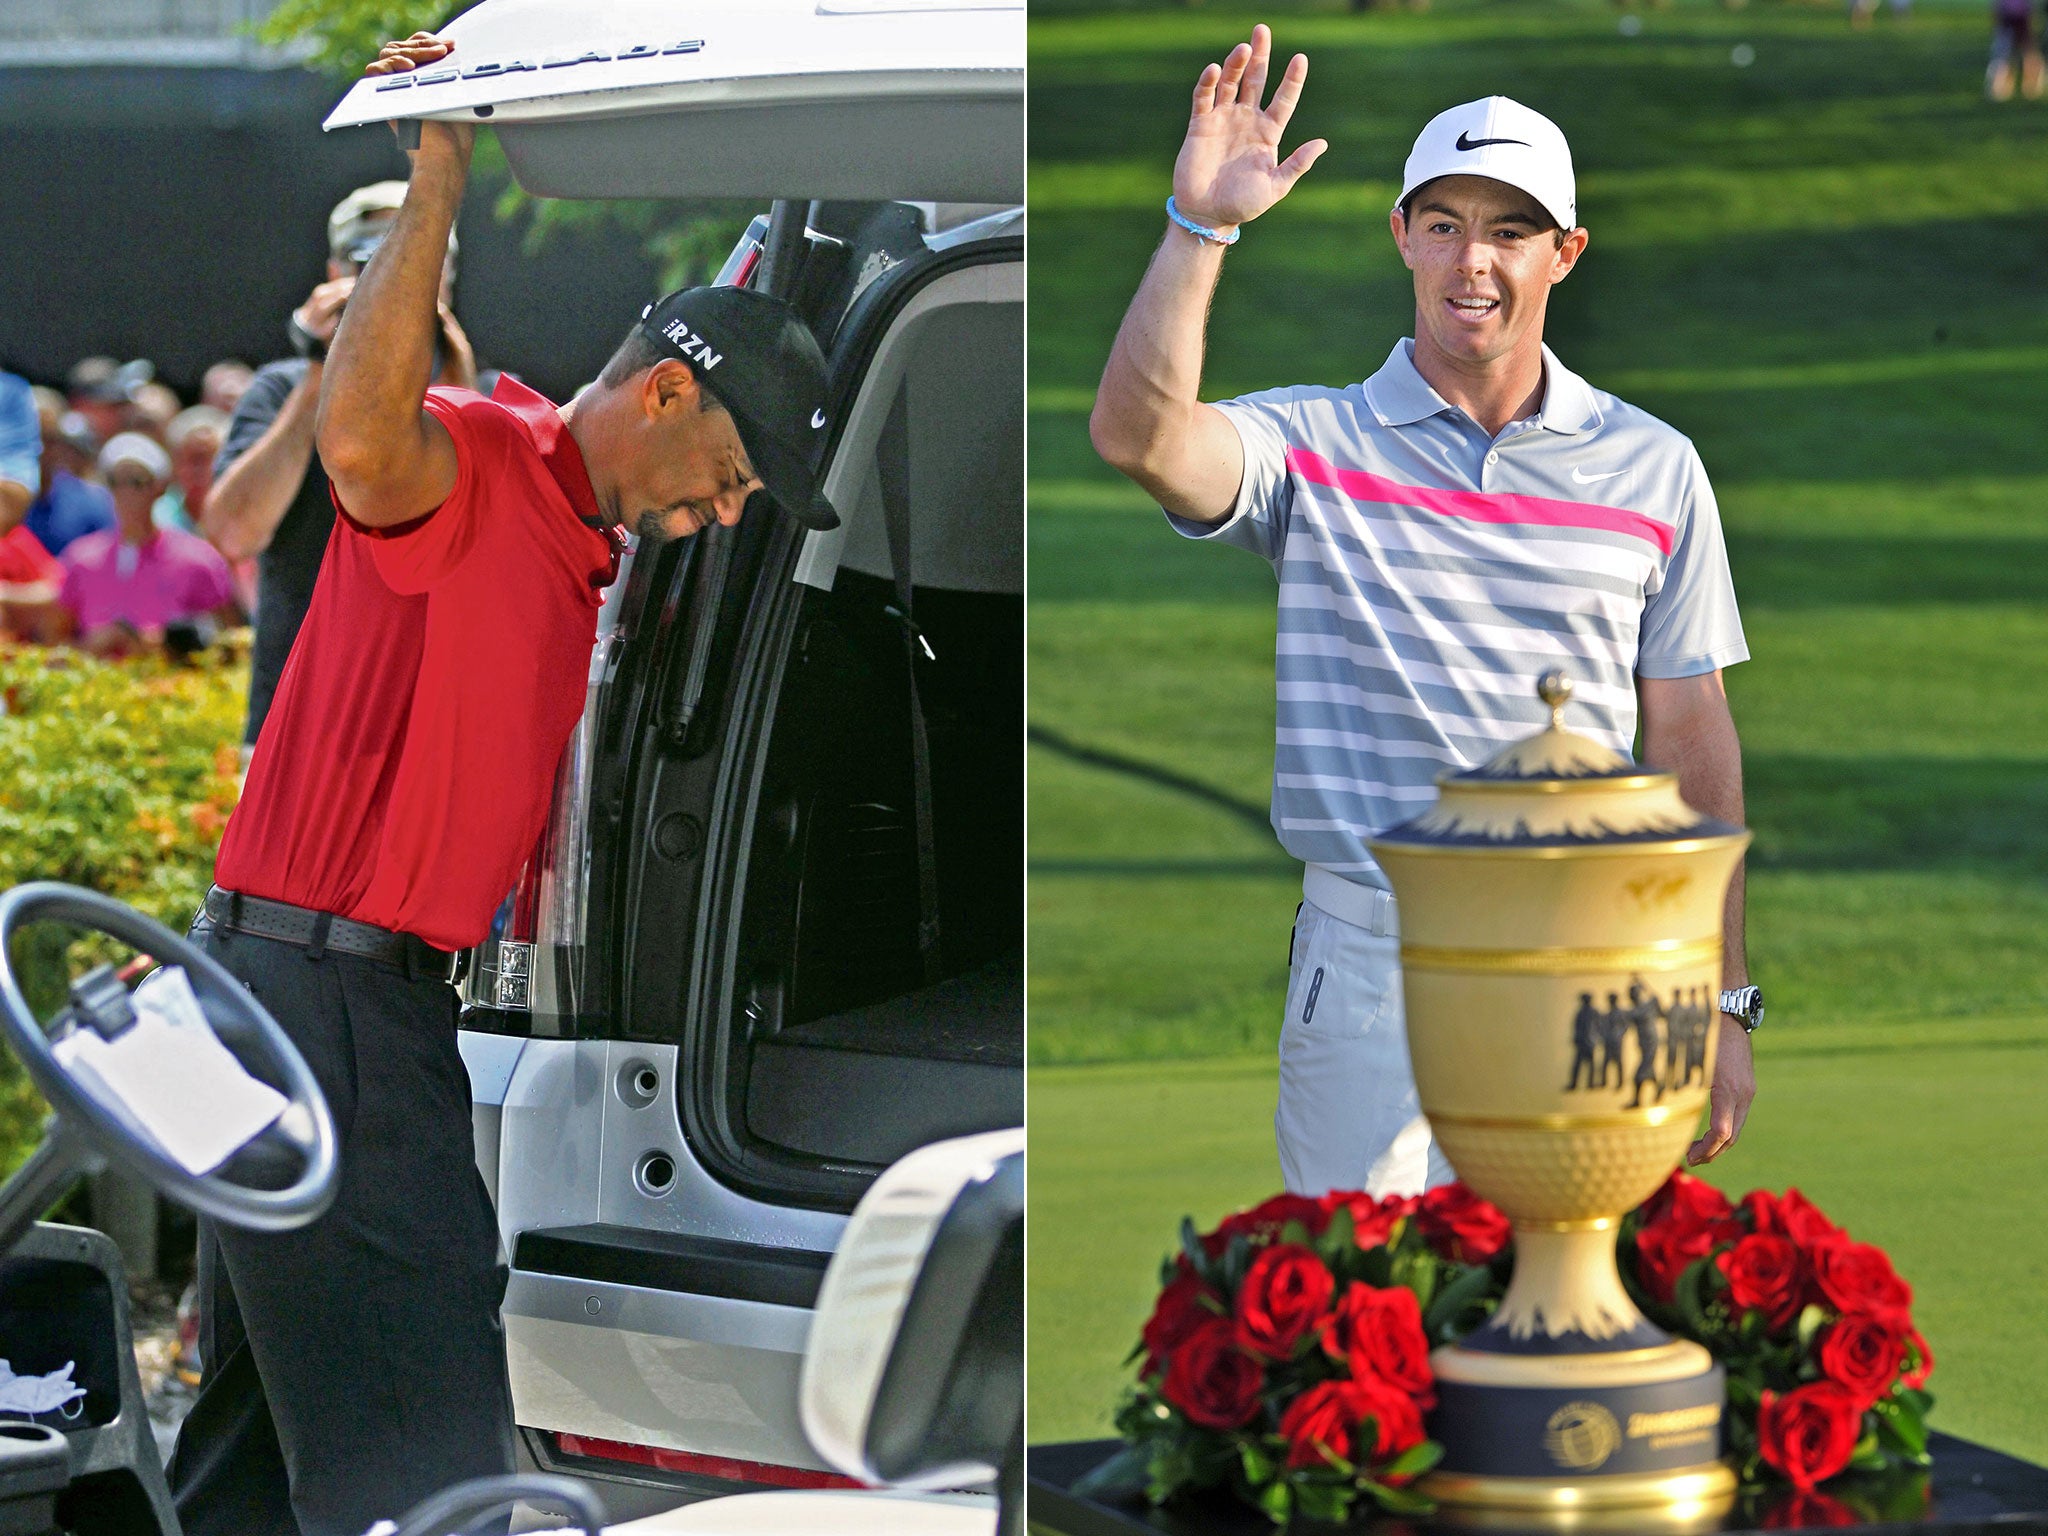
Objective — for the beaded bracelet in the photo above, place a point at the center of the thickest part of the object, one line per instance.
(1200, 231)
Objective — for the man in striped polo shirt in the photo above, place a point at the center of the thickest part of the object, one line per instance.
(1470, 515)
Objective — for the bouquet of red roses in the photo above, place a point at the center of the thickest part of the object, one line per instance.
(1287, 1358)
(1825, 1368)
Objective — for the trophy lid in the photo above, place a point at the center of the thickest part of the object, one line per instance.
(1555, 789)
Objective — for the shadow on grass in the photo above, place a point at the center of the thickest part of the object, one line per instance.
(1897, 813)
(1809, 813)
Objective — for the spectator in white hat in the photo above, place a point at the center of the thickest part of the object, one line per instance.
(124, 586)
(1468, 517)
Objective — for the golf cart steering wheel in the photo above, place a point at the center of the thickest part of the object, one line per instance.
(299, 1146)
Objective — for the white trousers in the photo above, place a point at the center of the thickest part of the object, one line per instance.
(1348, 1116)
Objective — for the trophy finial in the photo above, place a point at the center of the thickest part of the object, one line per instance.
(1554, 689)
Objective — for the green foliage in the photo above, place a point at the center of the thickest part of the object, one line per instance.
(117, 776)
(344, 35)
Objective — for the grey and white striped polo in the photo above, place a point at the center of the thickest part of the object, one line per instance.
(1428, 574)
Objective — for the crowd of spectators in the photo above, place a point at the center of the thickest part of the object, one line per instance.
(103, 493)
(130, 521)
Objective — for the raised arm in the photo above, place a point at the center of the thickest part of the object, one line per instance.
(389, 460)
(1688, 730)
(1147, 420)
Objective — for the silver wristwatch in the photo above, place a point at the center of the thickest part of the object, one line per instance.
(1745, 1005)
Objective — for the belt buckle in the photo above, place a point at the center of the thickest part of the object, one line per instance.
(458, 967)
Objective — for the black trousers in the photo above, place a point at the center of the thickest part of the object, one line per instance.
(356, 1365)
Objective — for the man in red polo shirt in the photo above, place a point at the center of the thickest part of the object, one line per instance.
(402, 775)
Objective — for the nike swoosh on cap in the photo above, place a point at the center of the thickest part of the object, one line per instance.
(1465, 143)
(1593, 479)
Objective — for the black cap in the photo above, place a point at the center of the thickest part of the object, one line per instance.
(764, 366)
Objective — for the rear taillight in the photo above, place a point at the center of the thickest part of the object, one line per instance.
(522, 907)
(689, 1464)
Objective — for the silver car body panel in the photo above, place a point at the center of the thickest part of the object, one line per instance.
(697, 1373)
(700, 1373)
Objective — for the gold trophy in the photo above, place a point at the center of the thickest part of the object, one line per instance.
(1561, 913)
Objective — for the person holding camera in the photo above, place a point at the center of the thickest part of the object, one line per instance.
(269, 500)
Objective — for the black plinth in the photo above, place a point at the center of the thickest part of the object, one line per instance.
(1976, 1492)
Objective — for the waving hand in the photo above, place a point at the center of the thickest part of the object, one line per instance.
(1230, 170)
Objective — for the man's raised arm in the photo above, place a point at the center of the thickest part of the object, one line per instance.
(389, 460)
(1147, 420)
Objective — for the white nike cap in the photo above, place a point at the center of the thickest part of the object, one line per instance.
(1501, 139)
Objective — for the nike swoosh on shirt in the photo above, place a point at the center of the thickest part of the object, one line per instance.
(1594, 479)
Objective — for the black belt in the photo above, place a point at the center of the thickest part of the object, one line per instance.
(318, 932)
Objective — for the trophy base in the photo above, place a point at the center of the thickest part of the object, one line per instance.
(1691, 1500)
(1572, 1434)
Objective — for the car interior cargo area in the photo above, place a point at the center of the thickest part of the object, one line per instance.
(881, 952)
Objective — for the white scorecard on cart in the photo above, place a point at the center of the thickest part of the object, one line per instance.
(170, 1073)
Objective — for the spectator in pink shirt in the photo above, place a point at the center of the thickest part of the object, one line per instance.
(125, 585)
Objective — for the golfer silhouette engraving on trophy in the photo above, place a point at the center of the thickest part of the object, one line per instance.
(1557, 873)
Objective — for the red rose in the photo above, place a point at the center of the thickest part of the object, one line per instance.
(1379, 1333)
(1688, 1201)
(1664, 1251)
(1372, 1221)
(1918, 1372)
(1396, 1419)
(1863, 1354)
(1211, 1381)
(1760, 1209)
(1182, 1307)
(1321, 1424)
(1803, 1222)
(1857, 1277)
(1262, 1223)
(1285, 1295)
(1765, 1275)
(1809, 1433)
(1462, 1227)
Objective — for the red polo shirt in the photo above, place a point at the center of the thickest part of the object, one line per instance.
(404, 771)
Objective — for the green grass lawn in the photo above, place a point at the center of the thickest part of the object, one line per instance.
(1827, 269)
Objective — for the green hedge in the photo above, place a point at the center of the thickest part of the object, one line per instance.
(117, 776)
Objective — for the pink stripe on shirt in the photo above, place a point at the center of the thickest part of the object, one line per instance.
(1479, 506)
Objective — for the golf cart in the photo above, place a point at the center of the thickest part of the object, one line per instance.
(914, 1369)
